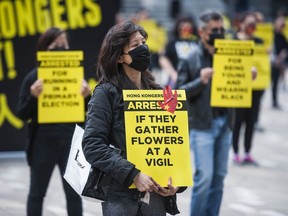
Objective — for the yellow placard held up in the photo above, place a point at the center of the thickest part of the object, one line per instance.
(261, 60)
(265, 32)
(157, 141)
(232, 78)
(62, 74)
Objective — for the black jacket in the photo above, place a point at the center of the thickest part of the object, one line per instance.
(27, 110)
(104, 126)
(198, 94)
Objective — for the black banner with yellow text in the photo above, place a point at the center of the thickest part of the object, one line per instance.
(21, 23)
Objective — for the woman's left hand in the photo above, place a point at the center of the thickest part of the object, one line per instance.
(167, 191)
(85, 89)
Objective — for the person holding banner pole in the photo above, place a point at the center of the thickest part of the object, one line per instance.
(210, 127)
(123, 61)
(48, 144)
(249, 116)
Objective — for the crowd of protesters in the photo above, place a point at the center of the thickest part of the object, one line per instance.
(186, 59)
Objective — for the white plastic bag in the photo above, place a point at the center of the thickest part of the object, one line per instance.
(77, 169)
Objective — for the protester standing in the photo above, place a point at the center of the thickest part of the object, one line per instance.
(183, 42)
(48, 144)
(210, 131)
(122, 64)
(249, 116)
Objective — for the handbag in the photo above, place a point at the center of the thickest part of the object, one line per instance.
(97, 183)
(86, 180)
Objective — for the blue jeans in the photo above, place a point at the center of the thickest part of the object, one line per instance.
(211, 149)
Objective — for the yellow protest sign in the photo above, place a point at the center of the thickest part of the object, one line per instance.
(265, 32)
(157, 141)
(261, 60)
(62, 75)
(157, 35)
(232, 78)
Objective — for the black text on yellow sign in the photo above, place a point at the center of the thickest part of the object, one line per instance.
(232, 78)
(62, 76)
(157, 141)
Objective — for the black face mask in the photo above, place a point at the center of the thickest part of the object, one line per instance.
(60, 48)
(214, 36)
(141, 58)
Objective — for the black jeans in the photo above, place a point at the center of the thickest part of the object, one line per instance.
(248, 116)
(45, 155)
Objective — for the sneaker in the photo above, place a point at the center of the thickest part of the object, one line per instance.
(236, 159)
(249, 160)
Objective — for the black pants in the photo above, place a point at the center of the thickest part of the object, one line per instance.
(124, 206)
(275, 80)
(44, 156)
(249, 117)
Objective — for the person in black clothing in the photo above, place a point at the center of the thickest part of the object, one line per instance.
(246, 115)
(122, 64)
(279, 54)
(48, 144)
(183, 42)
(210, 127)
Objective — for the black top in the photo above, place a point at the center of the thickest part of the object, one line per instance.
(27, 110)
(178, 49)
(280, 42)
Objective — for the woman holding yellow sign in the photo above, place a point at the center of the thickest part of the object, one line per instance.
(247, 115)
(122, 64)
(48, 144)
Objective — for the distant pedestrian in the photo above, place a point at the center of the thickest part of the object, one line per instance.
(248, 116)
